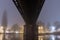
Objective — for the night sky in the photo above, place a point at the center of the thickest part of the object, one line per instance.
(49, 13)
(12, 13)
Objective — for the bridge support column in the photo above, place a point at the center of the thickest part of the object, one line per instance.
(30, 32)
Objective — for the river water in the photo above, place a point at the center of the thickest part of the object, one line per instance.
(49, 37)
(20, 37)
(11, 36)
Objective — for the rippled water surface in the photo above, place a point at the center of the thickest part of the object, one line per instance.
(20, 37)
(49, 37)
(11, 36)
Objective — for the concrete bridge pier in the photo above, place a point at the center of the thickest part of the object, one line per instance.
(30, 32)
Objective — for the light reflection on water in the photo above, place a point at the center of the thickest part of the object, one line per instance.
(1, 36)
(49, 37)
(12, 36)
(20, 37)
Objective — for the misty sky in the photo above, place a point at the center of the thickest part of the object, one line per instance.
(12, 12)
(49, 13)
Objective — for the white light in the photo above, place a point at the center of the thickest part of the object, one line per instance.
(16, 32)
(52, 37)
(7, 31)
(1, 29)
(52, 28)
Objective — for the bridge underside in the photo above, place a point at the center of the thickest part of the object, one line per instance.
(29, 9)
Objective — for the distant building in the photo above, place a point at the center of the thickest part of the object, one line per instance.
(4, 21)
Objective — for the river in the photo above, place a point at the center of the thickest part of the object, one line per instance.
(13, 36)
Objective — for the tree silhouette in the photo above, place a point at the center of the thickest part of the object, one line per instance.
(48, 26)
(40, 23)
(15, 27)
(57, 24)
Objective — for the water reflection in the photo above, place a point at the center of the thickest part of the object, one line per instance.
(52, 37)
(49, 37)
(18, 36)
(12, 36)
(1, 36)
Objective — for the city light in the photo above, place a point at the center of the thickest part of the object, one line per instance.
(40, 29)
(1, 29)
(40, 37)
(7, 31)
(1, 36)
(52, 28)
(52, 37)
(22, 29)
(16, 32)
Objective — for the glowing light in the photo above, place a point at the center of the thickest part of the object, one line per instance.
(52, 28)
(1, 29)
(52, 37)
(16, 32)
(7, 31)
(1, 36)
(40, 37)
(22, 29)
(40, 29)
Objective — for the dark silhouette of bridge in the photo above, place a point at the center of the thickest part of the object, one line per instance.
(30, 10)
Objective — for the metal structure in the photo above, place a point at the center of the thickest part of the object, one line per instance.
(29, 9)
